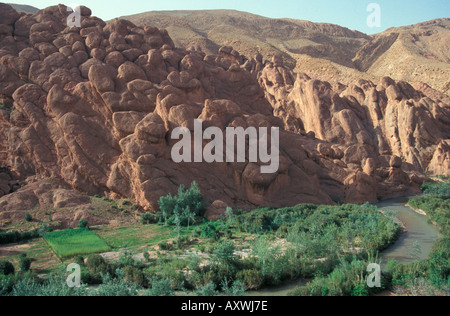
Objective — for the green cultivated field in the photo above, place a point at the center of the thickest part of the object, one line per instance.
(72, 242)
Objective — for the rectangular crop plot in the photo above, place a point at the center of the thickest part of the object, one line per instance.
(73, 242)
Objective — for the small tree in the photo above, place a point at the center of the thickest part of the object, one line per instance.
(224, 253)
(24, 263)
(178, 221)
(185, 206)
(83, 223)
(28, 217)
(44, 229)
(6, 268)
(229, 215)
(188, 215)
(148, 218)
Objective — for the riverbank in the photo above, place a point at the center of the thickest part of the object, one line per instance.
(417, 232)
(281, 245)
(417, 210)
(427, 275)
(412, 233)
(323, 249)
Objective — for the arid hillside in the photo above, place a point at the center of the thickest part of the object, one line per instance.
(93, 107)
(23, 8)
(417, 54)
(251, 34)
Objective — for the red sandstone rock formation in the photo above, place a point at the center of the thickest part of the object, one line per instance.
(95, 106)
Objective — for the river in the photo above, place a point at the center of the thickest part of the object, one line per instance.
(417, 232)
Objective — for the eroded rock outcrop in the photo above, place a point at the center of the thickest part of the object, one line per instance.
(370, 120)
(95, 107)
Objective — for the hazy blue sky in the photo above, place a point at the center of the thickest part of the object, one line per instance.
(348, 13)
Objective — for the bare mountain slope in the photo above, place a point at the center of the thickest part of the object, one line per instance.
(414, 53)
(24, 8)
(250, 34)
(418, 53)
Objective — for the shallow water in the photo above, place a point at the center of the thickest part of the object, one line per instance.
(418, 231)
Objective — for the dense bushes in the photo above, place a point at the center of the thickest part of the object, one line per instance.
(436, 188)
(348, 279)
(348, 225)
(15, 236)
(437, 208)
(97, 266)
(317, 237)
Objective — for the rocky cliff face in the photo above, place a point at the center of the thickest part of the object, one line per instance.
(370, 120)
(95, 107)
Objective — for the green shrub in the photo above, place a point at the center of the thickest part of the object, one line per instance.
(224, 252)
(208, 231)
(345, 280)
(251, 279)
(134, 275)
(207, 290)
(161, 287)
(116, 287)
(24, 263)
(28, 217)
(148, 218)
(83, 223)
(43, 230)
(6, 268)
(360, 289)
(97, 265)
(164, 245)
(79, 260)
(237, 289)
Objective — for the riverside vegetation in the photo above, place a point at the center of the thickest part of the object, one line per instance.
(329, 245)
(430, 276)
